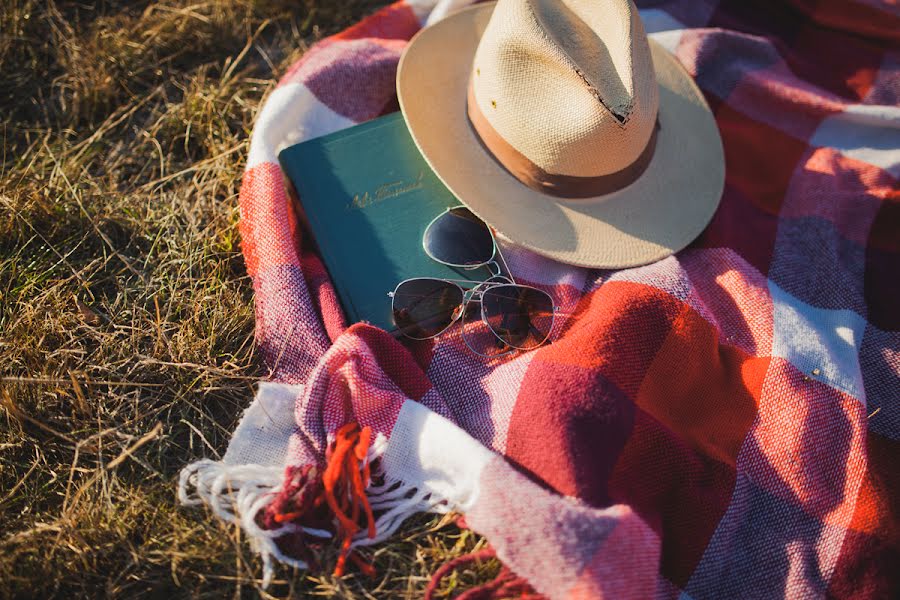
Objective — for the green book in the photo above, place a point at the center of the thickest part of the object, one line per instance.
(368, 196)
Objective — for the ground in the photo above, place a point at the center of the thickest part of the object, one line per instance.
(126, 319)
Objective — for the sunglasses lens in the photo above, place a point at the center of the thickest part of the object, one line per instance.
(460, 238)
(520, 316)
(425, 307)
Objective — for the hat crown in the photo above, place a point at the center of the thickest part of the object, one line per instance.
(568, 84)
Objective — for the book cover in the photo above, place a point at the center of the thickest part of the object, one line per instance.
(368, 196)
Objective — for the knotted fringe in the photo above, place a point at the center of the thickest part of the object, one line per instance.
(394, 500)
(236, 494)
(338, 494)
(247, 495)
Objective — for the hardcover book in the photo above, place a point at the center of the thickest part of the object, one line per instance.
(368, 195)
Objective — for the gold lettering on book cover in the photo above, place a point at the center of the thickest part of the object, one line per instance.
(385, 191)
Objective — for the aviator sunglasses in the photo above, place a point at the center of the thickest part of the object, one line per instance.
(518, 317)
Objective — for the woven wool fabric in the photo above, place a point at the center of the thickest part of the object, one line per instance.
(722, 423)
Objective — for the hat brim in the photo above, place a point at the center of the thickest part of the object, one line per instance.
(654, 217)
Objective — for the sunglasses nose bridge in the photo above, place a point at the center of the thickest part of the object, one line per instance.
(458, 312)
(475, 294)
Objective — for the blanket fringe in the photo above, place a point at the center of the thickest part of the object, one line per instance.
(393, 500)
(236, 494)
(239, 493)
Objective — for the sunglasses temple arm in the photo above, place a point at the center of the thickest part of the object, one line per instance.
(505, 267)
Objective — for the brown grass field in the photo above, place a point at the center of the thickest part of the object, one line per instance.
(126, 315)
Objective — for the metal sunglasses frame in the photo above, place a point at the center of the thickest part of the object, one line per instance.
(475, 294)
(495, 250)
(476, 290)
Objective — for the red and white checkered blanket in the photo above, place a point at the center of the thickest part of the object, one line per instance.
(723, 423)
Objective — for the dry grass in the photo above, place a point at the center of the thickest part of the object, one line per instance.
(126, 324)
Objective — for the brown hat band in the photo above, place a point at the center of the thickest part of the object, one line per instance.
(561, 186)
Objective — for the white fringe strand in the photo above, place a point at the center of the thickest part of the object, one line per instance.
(237, 493)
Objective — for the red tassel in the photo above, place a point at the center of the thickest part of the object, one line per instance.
(341, 488)
(345, 487)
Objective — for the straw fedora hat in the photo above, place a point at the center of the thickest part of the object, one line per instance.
(562, 126)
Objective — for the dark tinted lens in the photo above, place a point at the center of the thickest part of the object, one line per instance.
(425, 307)
(458, 237)
(520, 316)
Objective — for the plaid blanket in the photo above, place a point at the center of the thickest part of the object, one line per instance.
(722, 423)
